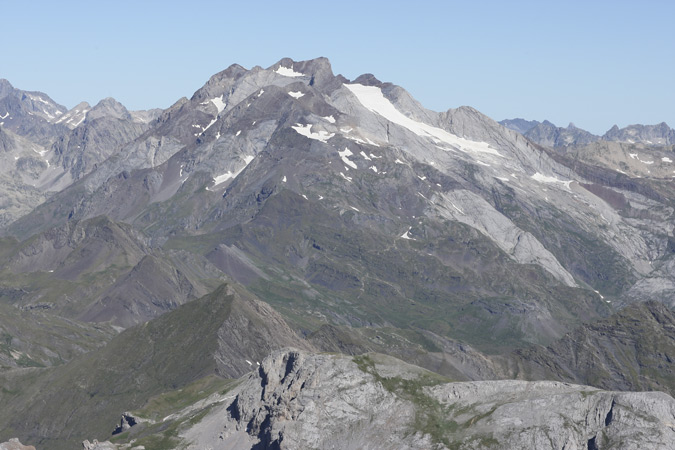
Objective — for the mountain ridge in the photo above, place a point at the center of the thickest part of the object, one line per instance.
(345, 217)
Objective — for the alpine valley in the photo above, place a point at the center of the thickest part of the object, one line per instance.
(251, 267)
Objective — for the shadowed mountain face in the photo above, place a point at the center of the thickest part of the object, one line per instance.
(367, 221)
(631, 350)
(216, 334)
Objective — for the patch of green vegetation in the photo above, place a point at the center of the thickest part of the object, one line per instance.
(430, 414)
(25, 361)
(170, 402)
(164, 440)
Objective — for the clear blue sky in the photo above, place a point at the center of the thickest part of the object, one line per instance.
(595, 63)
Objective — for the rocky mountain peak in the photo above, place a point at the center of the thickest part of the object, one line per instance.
(367, 79)
(108, 107)
(659, 135)
(5, 87)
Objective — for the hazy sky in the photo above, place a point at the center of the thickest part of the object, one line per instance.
(596, 63)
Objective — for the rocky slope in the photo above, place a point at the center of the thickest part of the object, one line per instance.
(359, 174)
(303, 400)
(367, 221)
(630, 351)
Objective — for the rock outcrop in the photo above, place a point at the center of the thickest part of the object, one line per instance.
(302, 400)
(15, 444)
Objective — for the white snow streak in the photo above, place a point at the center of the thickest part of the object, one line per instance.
(344, 154)
(296, 94)
(345, 177)
(372, 98)
(546, 179)
(330, 119)
(229, 174)
(636, 156)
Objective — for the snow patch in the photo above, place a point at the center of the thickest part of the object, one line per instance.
(219, 103)
(366, 157)
(288, 72)
(211, 123)
(666, 159)
(354, 209)
(330, 119)
(373, 168)
(296, 94)
(238, 133)
(398, 161)
(305, 197)
(229, 174)
(344, 130)
(546, 179)
(407, 236)
(5, 116)
(81, 119)
(371, 98)
(283, 180)
(262, 91)
(305, 130)
(636, 156)
(344, 154)
(346, 177)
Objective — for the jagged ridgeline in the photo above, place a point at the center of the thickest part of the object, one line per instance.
(150, 261)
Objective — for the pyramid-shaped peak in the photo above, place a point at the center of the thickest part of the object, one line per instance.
(81, 106)
(108, 107)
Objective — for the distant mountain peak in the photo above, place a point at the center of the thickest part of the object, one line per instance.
(108, 107)
(367, 79)
(547, 133)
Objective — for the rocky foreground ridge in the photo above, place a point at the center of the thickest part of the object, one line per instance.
(299, 400)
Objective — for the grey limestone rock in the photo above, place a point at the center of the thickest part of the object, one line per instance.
(15, 444)
(301, 400)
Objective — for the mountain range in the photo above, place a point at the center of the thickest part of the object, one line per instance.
(159, 264)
